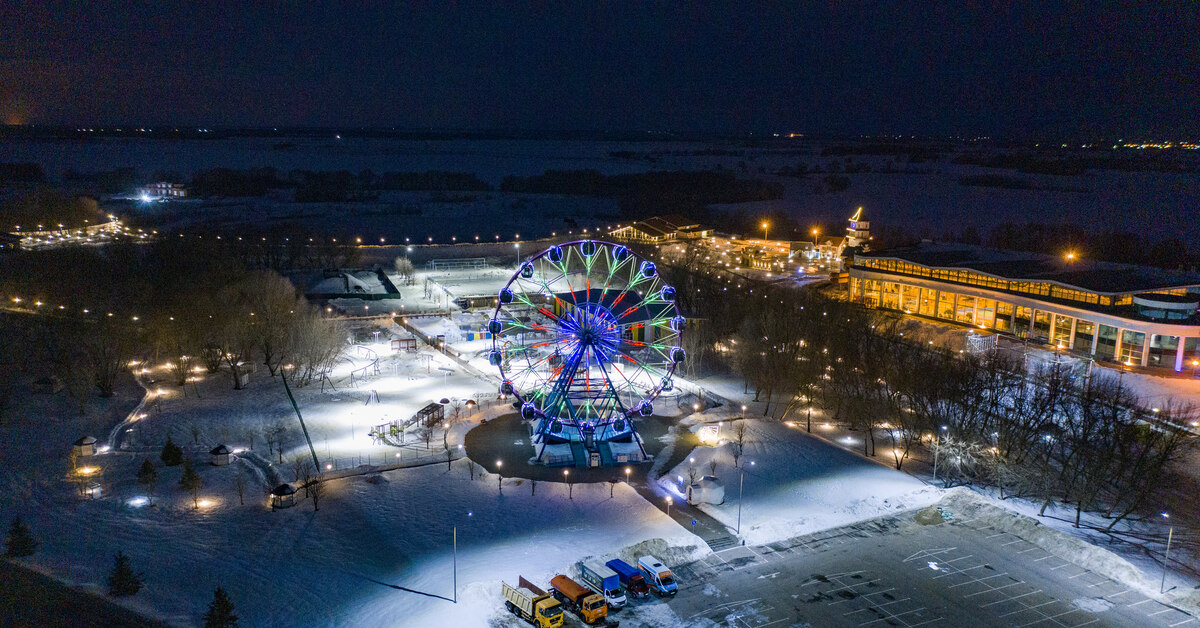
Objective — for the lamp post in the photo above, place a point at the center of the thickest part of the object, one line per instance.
(499, 478)
(570, 487)
(668, 506)
(1167, 555)
(936, 444)
(741, 483)
(766, 225)
(517, 246)
(627, 472)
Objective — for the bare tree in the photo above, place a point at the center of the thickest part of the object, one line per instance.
(239, 481)
(693, 475)
(404, 268)
(314, 488)
(739, 441)
(712, 466)
(276, 432)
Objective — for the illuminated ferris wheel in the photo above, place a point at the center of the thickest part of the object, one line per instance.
(586, 335)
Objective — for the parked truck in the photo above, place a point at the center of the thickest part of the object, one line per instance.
(658, 576)
(532, 604)
(630, 578)
(589, 604)
(600, 578)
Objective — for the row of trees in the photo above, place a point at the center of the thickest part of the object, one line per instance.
(95, 310)
(1048, 432)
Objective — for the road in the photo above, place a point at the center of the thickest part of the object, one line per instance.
(894, 572)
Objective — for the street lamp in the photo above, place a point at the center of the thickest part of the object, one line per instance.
(936, 447)
(499, 478)
(741, 483)
(766, 225)
(627, 472)
(517, 246)
(668, 505)
(570, 487)
(1167, 555)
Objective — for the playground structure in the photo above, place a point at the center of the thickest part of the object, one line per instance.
(586, 335)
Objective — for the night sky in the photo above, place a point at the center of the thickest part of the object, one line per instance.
(1017, 70)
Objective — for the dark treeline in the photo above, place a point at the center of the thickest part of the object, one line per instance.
(1057, 239)
(86, 312)
(1109, 245)
(915, 154)
(22, 172)
(652, 193)
(1053, 433)
(48, 207)
(1076, 164)
(325, 186)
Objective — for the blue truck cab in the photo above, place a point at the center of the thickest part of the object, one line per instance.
(660, 579)
(631, 578)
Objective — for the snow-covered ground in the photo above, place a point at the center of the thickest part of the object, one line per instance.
(794, 484)
(341, 565)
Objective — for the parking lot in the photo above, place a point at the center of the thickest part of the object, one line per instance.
(894, 572)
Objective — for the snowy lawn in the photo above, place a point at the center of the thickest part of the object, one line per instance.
(377, 553)
(795, 484)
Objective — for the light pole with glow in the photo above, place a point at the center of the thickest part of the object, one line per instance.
(741, 483)
(499, 478)
(936, 446)
(1167, 555)
(668, 506)
(765, 226)
(570, 487)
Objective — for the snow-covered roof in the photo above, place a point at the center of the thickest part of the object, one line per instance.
(709, 481)
(86, 440)
(284, 490)
(220, 450)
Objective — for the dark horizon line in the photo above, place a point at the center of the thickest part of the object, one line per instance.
(153, 131)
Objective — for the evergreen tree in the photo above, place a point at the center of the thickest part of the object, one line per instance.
(171, 453)
(147, 477)
(122, 580)
(220, 611)
(19, 542)
(190, 481)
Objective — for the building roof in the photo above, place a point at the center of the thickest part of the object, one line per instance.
(220, 450)
(283, 490)
(1088, 275)
(86, 440)
(678, 221)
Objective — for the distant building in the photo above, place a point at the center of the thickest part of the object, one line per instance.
(660, 229)
(161, 190)
(1124, 313)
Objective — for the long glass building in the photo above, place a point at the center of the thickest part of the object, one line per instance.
(1115, 312)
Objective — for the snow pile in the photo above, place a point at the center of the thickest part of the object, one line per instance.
(964, 503)
(795, 484)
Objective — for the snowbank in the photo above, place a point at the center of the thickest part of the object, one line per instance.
(794, 484)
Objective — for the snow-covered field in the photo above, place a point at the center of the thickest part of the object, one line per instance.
(339, 566)
(795, 484)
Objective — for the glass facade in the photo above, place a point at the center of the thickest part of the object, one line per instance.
(1059, 330)
(965, 310)
(945, 307)
(1041, 325)
(1084, 331)
(1062, 331)
(1131, 347)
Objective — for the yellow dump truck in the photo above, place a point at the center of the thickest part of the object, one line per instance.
(532, 604)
